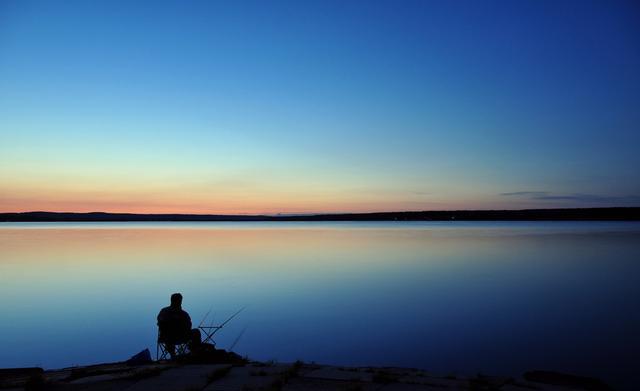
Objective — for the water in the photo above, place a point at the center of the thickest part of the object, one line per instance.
(450, 297)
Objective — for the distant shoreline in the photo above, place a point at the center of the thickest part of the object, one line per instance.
(573, 214)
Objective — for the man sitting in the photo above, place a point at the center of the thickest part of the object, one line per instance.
(174, 325)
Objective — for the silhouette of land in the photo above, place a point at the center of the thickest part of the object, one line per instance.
(619, 214)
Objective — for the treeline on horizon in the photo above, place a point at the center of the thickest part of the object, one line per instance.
(618, 213)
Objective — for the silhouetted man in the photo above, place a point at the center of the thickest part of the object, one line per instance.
(174, 325)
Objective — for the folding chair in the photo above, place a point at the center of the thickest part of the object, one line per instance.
(162, 353)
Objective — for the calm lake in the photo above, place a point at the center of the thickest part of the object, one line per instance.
(450, 297)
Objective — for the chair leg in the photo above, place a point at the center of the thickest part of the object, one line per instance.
(161, 351)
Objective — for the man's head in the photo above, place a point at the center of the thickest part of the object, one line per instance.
(176, 300)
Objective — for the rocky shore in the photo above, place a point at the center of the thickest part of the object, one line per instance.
(272, 376)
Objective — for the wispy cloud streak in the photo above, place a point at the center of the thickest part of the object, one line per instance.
(576, 197)
(526, 193)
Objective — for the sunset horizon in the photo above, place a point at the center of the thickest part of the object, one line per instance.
(513, 201)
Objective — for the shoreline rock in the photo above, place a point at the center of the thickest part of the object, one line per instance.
(272, 376)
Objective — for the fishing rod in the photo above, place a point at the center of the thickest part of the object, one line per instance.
(231, 317)
(235, 342)
(205, 317)
(211, 330)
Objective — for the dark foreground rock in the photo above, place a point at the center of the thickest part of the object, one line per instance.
(563, 379)
(171, 376)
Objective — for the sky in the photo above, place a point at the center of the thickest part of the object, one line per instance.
(318, 106)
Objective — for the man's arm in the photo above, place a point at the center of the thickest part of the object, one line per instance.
(188, 319)
(162, 316)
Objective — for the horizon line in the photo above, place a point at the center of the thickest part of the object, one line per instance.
(558, 214)
(284, 214)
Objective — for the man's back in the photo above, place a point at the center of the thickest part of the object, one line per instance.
(174, 324)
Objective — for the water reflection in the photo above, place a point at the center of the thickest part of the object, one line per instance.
(467, 297)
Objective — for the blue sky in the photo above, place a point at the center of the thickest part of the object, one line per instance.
(266, 107)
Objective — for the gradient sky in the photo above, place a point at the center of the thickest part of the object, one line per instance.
(327, 106)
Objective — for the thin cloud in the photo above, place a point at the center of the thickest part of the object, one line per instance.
(576, 197)
(526, 193)
(588, 198)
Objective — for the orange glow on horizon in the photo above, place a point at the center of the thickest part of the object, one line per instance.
(199, 204)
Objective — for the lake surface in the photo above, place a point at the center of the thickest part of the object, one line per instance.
(450, 297)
